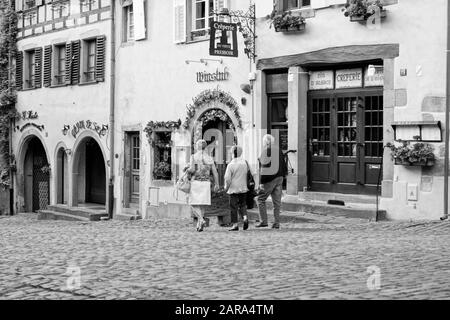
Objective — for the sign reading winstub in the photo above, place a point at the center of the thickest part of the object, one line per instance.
(223, 39)
(321, 80)
(349, 78)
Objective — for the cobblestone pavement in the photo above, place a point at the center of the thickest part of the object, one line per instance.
(311, 257)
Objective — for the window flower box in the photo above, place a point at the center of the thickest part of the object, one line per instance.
(361, 10)
(416, 155)
(296, 28)
(286, 21)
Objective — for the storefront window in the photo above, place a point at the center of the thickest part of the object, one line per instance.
(162, 145)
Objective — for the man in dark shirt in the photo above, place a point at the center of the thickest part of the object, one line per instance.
(272, 172)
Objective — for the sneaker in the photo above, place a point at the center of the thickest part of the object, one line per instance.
(276, 226)
(234, 228)
(245, 224)
(261, 225)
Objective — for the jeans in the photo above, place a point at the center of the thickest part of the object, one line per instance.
(238, 204)
(273, 188)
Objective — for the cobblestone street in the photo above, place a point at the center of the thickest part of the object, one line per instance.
(311, 257)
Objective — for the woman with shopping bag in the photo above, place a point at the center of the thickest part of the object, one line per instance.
(203, 174)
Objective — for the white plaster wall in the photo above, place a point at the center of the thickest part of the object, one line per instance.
(155, 83)
(420, 30)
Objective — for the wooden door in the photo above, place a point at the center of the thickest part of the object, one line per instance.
(135, 164)
(345, 141)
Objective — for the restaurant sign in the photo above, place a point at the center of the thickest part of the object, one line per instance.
(321, 80)
(349, 78)
(223, 40)
(377, 80)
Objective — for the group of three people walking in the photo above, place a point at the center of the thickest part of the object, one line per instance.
(272, 170)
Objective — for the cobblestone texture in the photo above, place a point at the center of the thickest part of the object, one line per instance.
(311, 257)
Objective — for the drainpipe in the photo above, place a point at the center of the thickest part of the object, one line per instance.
(111, 111)
(447, 121)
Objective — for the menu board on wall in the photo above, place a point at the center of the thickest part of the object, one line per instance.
(377, 80)
(321, 80)
(349, 78)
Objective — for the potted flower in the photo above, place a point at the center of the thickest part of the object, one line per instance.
(418, 154)
(286, 21)
(162, 170)
(361, 10)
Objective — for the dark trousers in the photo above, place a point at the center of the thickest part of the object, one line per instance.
(238, 204)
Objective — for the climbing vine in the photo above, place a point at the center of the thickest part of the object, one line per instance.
(212, 95)
(8, 95)
(159, 125)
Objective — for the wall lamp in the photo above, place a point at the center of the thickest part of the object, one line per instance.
(195, 61)
(205, 61)
(65, 129)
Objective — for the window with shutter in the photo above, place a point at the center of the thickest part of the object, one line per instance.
(75, 70)
(200, 15)
(38, 68)
(100, 59)
(29, 69)
(68, 64)
(179, 12)
(19, 70)
(59, 65)
(47, 66)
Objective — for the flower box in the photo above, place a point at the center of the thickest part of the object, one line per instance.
(360, 18)
(399, 162)
(297, 28)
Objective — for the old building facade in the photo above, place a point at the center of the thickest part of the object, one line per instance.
(60, 141)
(334, 91)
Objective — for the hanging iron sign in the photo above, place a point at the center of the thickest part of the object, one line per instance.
(223, 39)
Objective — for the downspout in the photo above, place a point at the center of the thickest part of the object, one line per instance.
(112, 112)
(447, 121)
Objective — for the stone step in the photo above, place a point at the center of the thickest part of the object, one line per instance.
(347, 198)
(126, 217)
(53, 215)
(88, 213)
(358, 211)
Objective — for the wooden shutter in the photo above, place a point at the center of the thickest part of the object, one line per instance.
(38, 68)
(68, 73)
(19, 70)
(19, 5)
(179, 16)
(139, 19)
(47, 66)
(75, 70)
(100, 58)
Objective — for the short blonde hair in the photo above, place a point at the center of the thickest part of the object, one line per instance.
(268, 139)
(201, 144)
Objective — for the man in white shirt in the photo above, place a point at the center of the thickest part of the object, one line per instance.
(236, 187)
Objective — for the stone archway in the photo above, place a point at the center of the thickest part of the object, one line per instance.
(33, 173)
(61, 186)
(89, 174)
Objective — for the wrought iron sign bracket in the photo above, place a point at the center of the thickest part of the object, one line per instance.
(246, 22)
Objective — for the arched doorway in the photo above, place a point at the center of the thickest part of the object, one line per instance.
(217, 129)
(89, 174)
(62, 177)
(36, 177)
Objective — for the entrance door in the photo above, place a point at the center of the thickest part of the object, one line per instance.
(95, 174)
(37, 177)
(132, 168)
(220, 139)
(346, 141)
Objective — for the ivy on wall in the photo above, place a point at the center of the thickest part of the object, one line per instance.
(161, 125)
(8, 95)
(208, 96)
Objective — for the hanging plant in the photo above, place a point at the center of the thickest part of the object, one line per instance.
(161, 125)
(8, 95)
(208, 96)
